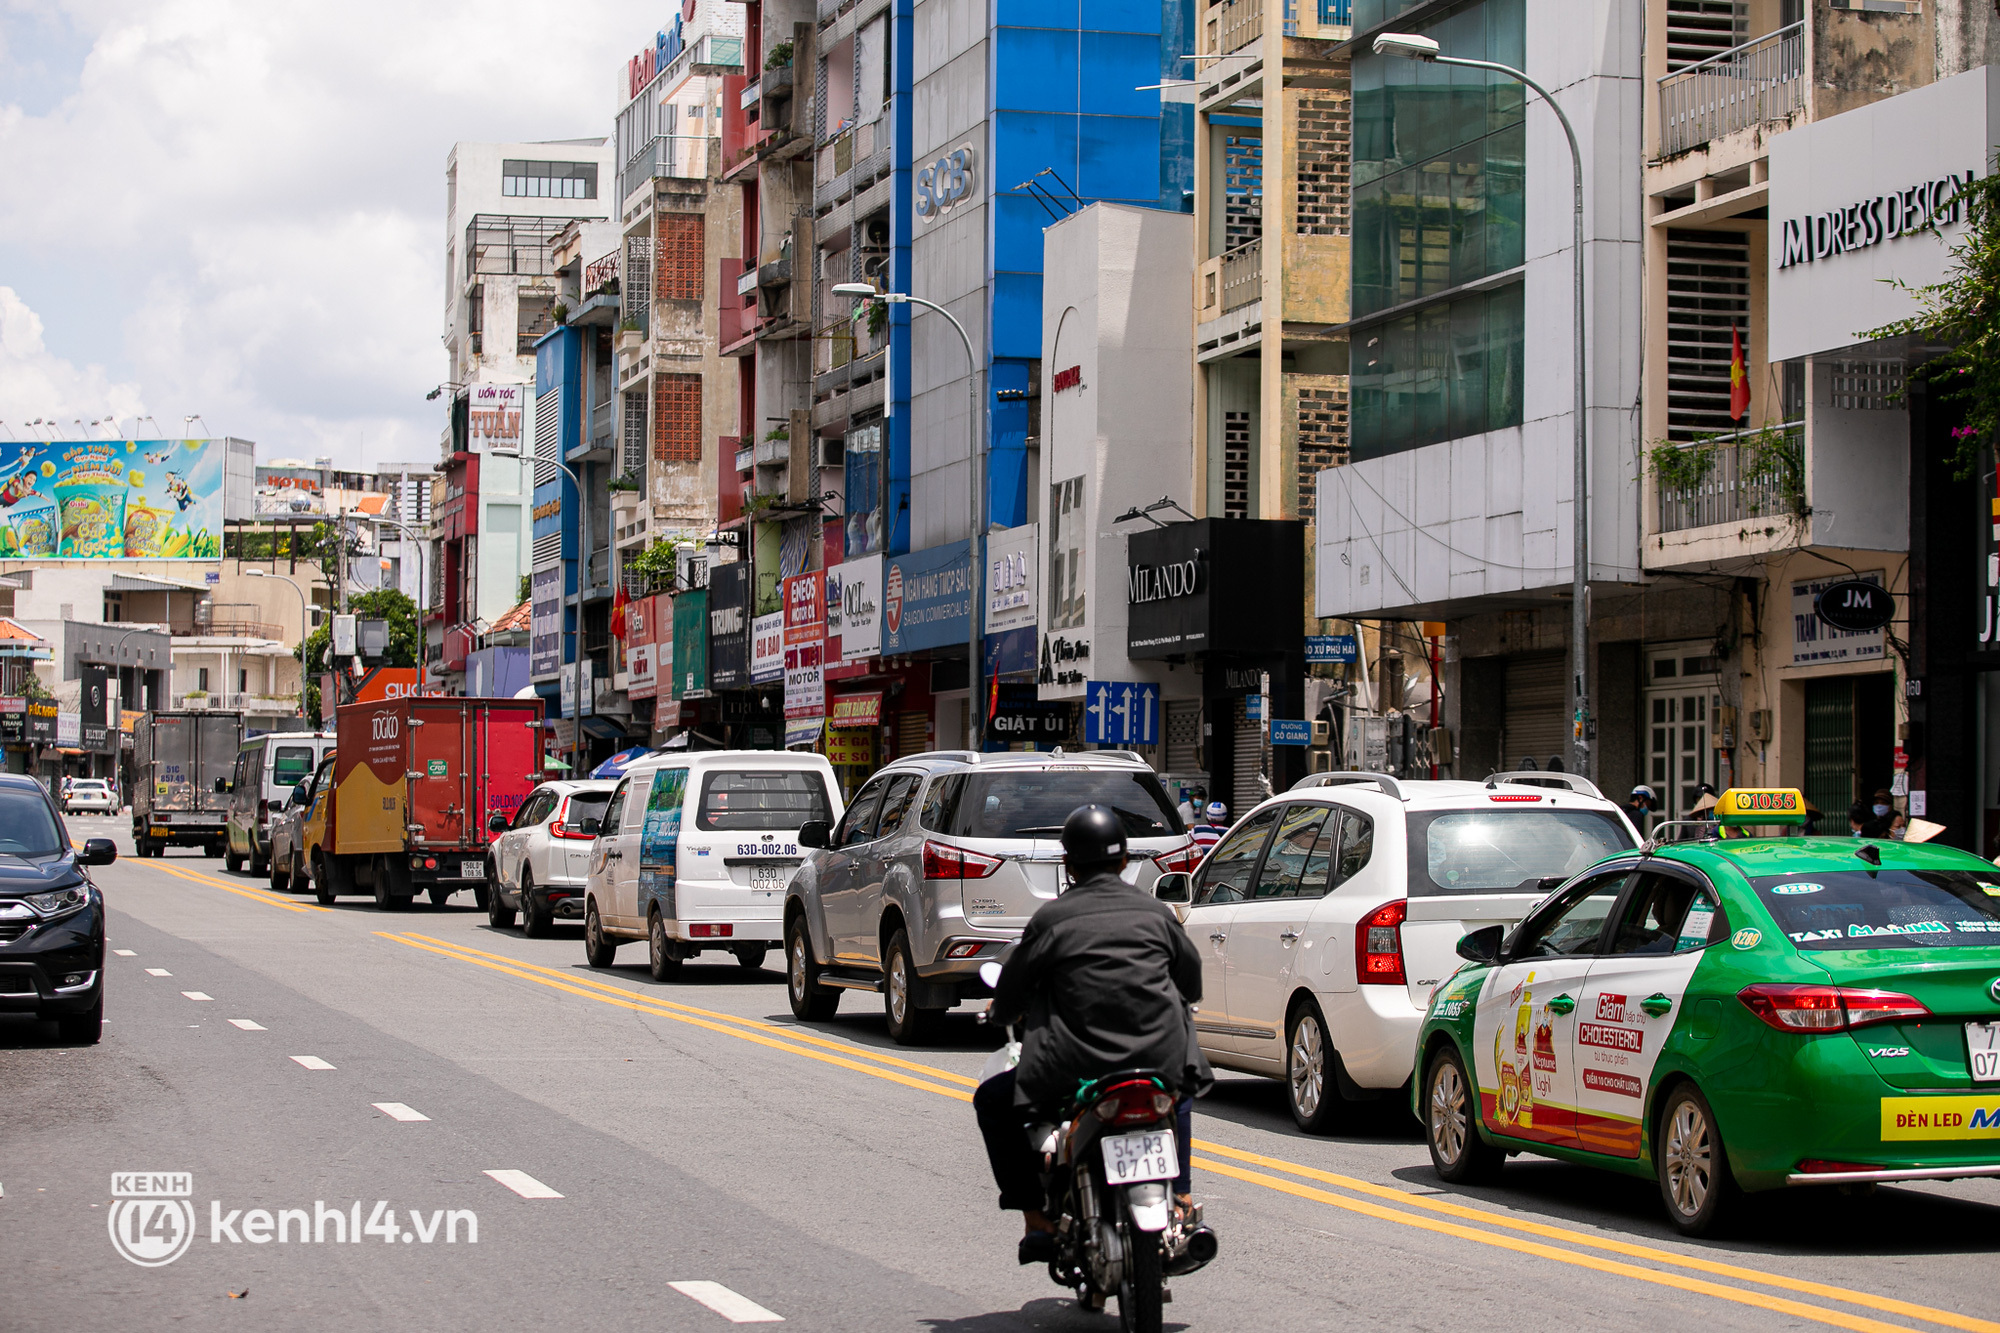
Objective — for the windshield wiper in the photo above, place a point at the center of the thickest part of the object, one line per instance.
(1039, 831)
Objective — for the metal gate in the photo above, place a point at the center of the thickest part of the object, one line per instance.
(1830, 748)
(1537, 696)
(1183, 731)
(1248, 748)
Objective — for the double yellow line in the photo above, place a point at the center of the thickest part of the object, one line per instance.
(1522, 1236)
(264, 896)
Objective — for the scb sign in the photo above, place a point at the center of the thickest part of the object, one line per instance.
(944, 183)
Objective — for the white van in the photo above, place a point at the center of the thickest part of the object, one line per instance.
(695, 852)
(267, 768)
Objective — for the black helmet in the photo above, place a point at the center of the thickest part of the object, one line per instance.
(1092, 836)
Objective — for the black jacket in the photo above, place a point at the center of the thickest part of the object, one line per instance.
(1103, 977)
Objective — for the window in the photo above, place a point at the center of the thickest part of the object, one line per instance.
(1885, 909)
(863, 497)
(585, 811)
(1225, 876)
(26, 826)
(291, 764)
(1444, 371)
(1508, 851)
(678, 257)
(616, 808)
(1066, 577)
(1440, 223)
(1303, 832)
(858, 824)
(677, 418)
(523, 179)
(896, 804)
(533, 810)
(201, 679)
(1572, 925)
(1034, 804)
(777, 798)
(242, 680)
(1357, 843)
(1668, 914)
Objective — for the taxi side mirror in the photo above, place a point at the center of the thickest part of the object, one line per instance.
(815, 833)
(1176, 886)
(1482, 945)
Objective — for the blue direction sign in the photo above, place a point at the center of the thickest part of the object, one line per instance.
(1291, 731)
(1253, 707)
(1324, 648)
(1121, 712)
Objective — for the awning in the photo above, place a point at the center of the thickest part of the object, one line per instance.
(550, 761)
(857, 710)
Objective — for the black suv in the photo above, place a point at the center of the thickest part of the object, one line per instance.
(51, 916)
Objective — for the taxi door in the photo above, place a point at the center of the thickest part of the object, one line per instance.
(1524, 1029)
(1634, 995)
(1221, 884)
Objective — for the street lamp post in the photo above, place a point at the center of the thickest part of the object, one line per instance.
(305, 627)
(1413, 47)
(976, 485)
(582, 586)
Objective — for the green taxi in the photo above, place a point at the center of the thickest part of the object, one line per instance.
(1729, 1012)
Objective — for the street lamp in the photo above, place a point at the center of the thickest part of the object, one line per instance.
(975, 485)
(582, 584)
(305, 627)
(1410, 46)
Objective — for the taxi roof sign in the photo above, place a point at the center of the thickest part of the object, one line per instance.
(1761, 805)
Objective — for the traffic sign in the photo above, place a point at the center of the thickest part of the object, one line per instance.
(1291, 731)
(1324, 648)
(1253, 708)
(1121, 712)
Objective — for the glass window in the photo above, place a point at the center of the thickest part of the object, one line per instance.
(1034, 803)
(940, 801)
(26, 826)
(291, 763)
(1572, 925)
(862, 465)
(324, 777)
(521, 179)
(1299, 830)
(1668, 914)
(586, 811)
(777, 798)
(1508, 851)
(1225, 874)
(858, 824)
(1357, 843)
(1445, 371)
(896, 804)
(615, 809)
(533, 809)
(1885, 909)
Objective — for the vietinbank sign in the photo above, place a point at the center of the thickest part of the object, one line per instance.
(1867, 200)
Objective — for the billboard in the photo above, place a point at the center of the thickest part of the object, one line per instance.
(493, 417)
(111, 499)
(545, 622)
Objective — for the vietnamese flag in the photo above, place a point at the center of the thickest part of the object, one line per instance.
(1739, 377)
(619, 603)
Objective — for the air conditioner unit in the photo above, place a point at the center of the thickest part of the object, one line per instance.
(1322, 732)
(877, 231)
(829, 453)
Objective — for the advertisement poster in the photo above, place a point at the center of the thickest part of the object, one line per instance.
(729, 626)
(805, 679)
(767, 647)
(690, 616)
(545, 622)
(111, 499)
(859, 604)
(640, 627)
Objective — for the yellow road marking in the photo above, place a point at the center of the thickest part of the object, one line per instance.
(254, 895)
(794, 1040)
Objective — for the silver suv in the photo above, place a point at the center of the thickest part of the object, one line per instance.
(939, 862)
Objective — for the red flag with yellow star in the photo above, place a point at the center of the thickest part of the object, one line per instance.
(1739, 378)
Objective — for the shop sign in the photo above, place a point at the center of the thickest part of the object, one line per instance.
(729, 626)
(1121, 712)
(858, 710)
(69, 730)
(42, 721)
(805, 679)
(1021, 716)
(568, 700)
(945, 183)
(1815, 642)
(690, 669)
(1172, 572)
(852, 747)
(545, 617)
(14, 719)
(767, 647)
(926, 597)
(1059, 652)
(1331, 648)
(805, 608)
(641, 627)
(1855, 605)
(1010, 577)
(493, 414)
(854, 595)
(803, 731)
(97, 709)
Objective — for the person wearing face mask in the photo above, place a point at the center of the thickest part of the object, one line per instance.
(1872, 818)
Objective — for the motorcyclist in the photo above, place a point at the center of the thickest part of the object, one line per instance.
(1102, 981)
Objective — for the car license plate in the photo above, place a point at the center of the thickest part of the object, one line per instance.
(1982, 1042)
(767, 877)
(472, 870)
(1130, 1158)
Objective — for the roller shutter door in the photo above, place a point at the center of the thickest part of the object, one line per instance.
(1536, 725)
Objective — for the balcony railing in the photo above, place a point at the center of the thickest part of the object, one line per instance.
(684, 155)
(1243, 275)
(1759, 81)
(1739, 486)
(599, 274)
(1242, 24)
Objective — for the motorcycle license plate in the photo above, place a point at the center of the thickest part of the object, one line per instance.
(472, 870)
(1131, 1158)
(1982, 1041)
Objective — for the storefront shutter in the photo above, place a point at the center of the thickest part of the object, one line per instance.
(1245, 790)
(1183, 735)
(1537, 695)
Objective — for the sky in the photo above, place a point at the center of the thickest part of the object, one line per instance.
(234, 209)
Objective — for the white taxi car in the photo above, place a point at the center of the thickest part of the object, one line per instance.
(1328, 914)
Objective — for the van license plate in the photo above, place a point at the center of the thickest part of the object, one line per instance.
(1130, 1158)
(1982, 1043)
(767, 877)
(472, 870)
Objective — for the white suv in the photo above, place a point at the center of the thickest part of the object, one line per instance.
(93, 795)
(540, 858)
(1328, 914)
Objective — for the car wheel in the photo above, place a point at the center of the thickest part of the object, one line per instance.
(85, 1028)
(1312, 1088)
(1451, 1123)
(661, 960)
(536, 917)
(1695, 1182)
(598, 950)
(231, 862)
(811, 1002)
(322, 879)
(385, 901)
(281, 880)
(908, 1025)
(751, 956)
(498, 914)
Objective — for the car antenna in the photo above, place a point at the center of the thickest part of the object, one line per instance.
(1870, 853)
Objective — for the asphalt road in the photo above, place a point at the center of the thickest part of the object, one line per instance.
(694, 1134)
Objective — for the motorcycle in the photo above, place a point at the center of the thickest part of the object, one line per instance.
(1108, 1171)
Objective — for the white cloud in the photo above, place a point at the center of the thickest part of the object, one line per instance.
(236, 208)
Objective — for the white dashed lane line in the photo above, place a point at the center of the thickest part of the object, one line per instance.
(158, 972)
(524, 1184)
(312, 1062)
(248, 1026)
(736, 1309)
(197, 995)
(398, 1111)
(125, 953)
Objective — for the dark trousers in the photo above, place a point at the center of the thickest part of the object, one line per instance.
(1017, 1167)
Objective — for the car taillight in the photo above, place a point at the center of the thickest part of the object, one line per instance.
(263, 812)
(1378, 946)
(1827, 1008)
(1182, 859)
(942, 861)
(1134, 1104)
(560, 828)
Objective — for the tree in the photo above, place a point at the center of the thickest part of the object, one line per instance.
(405, 637)
(1963, 313)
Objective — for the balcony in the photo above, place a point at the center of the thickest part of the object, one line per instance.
(683, 156)
(209, 701)
(1738, 485)
(1243, 275)
(746, 457)
(1241, 24)
(601, 275)
(1753, 84)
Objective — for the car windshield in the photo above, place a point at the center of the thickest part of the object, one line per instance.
(1034, 804)
(1875, 909)
(87, 784)
(1507, 851)
(781, 798)
(293, 763)
(26, 826)
(586, 808)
